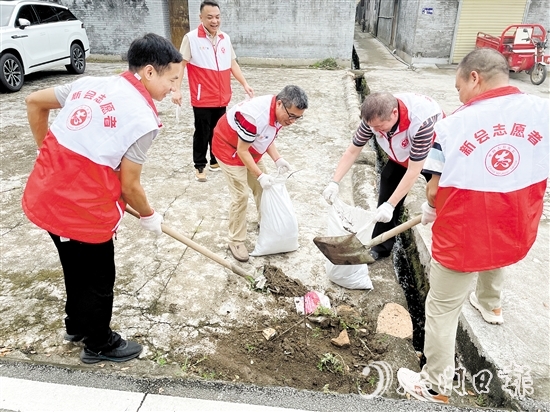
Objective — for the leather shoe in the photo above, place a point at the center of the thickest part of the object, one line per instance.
(239, 252)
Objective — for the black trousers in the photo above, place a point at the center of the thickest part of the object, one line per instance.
(391, 175)
(206, 119)
(89, 272)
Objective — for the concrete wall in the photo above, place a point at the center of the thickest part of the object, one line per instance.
(385, 21)
(113, 24)
(422, 37)
(301, 30)
(371, 15)
(539, 12)
(434, 32)
(406, 28)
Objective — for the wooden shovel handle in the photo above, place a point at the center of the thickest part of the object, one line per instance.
(395, 231)
(195, 246)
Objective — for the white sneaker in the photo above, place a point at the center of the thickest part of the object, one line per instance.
(413, 383)
(488, 315)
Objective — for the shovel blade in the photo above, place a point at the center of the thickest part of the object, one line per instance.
(343, 250)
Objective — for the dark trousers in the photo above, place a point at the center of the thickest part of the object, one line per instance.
(206, 119)
(391, 175)
(89, 271)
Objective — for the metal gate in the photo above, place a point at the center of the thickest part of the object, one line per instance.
(489, 16)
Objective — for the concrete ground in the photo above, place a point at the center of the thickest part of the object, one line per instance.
(173, 299)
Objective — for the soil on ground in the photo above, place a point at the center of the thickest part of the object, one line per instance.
(301, 354)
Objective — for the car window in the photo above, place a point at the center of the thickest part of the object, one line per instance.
(46, 14)
(26, 12)
(63, 14)
(5, 14)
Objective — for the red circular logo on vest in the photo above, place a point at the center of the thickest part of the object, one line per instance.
(223, 50)
(502, 160)
(405, 143)
(79, 118)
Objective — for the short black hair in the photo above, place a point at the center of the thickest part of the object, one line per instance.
(154, 50)
(209, 3)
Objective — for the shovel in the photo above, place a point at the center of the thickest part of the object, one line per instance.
(348, 249)
(258, 282)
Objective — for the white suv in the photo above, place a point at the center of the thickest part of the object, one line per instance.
(37, 35)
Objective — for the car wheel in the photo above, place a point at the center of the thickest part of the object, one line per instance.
(78, 60)
(11, 74)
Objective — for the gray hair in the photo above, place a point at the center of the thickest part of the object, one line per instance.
(293, 95)
(378, 106)
(487, 62)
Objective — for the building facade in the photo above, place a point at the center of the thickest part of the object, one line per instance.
(291, 31)
(443, 31)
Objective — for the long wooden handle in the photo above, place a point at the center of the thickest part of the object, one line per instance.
(395, 231)
(195, 246)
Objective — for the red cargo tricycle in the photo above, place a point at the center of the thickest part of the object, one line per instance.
(523, 46)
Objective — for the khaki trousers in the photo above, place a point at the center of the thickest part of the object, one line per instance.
(240, 181)
(448, 291)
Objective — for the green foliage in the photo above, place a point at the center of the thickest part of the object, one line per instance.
(322, 311)
(331, 363)
(373, 381)
(188, 366)
(327, 64)
(481, 400)
(160, 359)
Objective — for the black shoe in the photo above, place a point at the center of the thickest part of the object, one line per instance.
(125, 351)
(73, 338)
(375, 255)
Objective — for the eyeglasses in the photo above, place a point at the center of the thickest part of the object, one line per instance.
(291, 116)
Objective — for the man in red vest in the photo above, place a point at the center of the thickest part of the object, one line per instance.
(241, 138)
(210, 60)
(490, 164)
(88, 168)
(403, 126)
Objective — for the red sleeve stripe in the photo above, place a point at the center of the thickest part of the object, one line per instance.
(247, 129)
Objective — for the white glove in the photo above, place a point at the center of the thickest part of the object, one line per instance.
(330, 192)
(152, 223)
(266, 181)
(282, 165)
(384, 213)
(428, 213)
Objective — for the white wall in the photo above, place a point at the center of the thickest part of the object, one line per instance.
(286, 29)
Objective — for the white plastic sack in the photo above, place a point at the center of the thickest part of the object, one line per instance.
(343, 220)
(279, 226)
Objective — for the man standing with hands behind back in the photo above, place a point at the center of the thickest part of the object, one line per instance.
(210, 60)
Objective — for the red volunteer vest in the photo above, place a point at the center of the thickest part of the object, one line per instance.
(491, 190)
(226, 137)
(73, 190)
(414, 110)
(209, 70)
